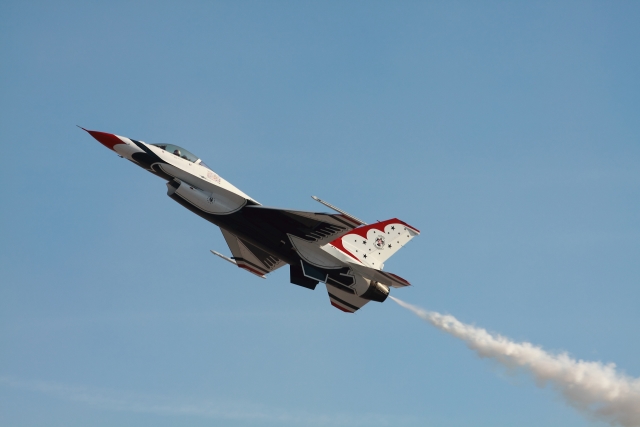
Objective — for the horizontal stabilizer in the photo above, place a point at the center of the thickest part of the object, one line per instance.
(380, 276)
(345, 301)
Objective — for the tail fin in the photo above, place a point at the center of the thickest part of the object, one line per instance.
(373, 244)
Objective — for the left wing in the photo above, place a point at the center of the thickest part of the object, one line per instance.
(250, 257)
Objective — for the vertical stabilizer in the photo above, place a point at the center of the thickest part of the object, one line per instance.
(372, 244)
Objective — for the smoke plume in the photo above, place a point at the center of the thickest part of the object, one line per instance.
(592, 387)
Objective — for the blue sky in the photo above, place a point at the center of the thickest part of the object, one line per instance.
(507, 132)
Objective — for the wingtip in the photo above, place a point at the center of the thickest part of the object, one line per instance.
(226, 258)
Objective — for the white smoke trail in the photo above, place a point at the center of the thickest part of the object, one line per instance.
(592, 387)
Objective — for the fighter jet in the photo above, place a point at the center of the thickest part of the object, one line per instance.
(338, 249)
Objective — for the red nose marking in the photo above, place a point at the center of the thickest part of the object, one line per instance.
(107, 139)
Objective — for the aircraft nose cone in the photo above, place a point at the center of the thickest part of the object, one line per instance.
(107, 139)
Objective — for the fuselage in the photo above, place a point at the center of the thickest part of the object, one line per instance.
(336, 249)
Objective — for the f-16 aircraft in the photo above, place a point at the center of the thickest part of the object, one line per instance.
(338, 249)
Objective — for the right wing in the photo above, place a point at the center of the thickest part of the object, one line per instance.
(319, 228)
(250, 257)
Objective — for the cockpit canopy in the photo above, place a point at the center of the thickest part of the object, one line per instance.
(181, 152)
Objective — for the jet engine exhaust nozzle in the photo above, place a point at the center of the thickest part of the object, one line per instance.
(376, 292)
